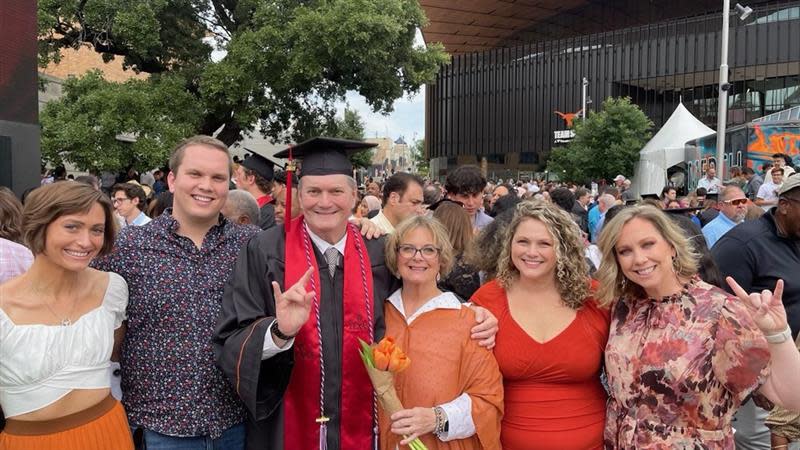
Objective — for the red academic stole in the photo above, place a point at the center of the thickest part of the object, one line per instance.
(263, 200)
(302, 399)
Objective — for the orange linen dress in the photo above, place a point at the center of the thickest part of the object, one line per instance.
(445, 363)
(553, 395)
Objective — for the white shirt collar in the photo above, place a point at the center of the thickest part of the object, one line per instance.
(445, 300)
(324, 245)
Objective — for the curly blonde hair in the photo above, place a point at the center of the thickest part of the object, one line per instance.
(613, 284)
(572, 273)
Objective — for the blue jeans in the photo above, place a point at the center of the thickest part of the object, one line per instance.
(232, 439)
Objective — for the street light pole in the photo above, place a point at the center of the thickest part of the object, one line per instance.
(585, 86)
(722, 110)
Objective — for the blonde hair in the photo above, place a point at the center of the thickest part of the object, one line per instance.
(613, 283)
(441, 240)
(176, 157)
(572, 273)
(455, 220)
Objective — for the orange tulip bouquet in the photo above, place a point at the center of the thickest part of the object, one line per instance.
(382, 361)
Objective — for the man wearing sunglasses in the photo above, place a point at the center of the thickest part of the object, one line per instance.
(733, 208)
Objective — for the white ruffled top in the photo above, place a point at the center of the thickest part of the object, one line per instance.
(39, 364)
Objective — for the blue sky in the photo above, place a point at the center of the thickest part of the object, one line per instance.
(407, 119)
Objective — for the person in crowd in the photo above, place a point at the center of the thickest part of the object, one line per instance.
(176, 268)
(160, 203)
(159, 185)
(465, 184)
(737, 178)
(565, 199)
(505, 203)
(280, 206)
(462, 279)
(10, 216)
(402, 198)
(255, 175)
(501, 190)
(484, 252)
(552, 333)
(453, 391)
(60, 322)
(431, 194)
(242, 208)
(767, 196)
(129, 203)
(91, 180)
(682, 355)
(733, 211)
(755, 254)
(581, 206)
(779, 162)
(668, 194)
(370, 206)
(754, 182)
(710, 182)
(374, 189)
(784, 425)
(604, 202)
(711, 207)
(619, 181)
(320, 266)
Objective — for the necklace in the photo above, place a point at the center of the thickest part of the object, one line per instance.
(65, 322)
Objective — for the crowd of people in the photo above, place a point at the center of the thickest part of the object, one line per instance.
(537, 315)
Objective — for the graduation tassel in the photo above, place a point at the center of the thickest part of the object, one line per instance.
(323, 432)
(291, 168)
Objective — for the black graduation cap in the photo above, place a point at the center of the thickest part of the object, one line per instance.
(325, 156)
(681, 210)
(650, 197)
(712, 196)
(259, 165)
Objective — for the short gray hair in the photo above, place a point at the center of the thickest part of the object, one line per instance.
(607, 200)
(242, 203)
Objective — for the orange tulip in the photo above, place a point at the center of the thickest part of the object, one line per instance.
(381, 359)
(386, 345)
(398, 361)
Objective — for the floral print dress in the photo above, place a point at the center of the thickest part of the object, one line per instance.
(678, 369)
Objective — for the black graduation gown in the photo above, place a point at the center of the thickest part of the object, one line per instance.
(267, 215)
(248, 297)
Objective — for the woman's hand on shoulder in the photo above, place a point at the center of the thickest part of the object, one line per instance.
(766, 308)
(486, 328)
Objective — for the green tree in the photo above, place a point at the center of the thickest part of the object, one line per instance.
(421, 162)
(282, 64)
(605, 144)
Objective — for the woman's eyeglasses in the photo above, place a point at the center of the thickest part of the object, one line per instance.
(409, 251)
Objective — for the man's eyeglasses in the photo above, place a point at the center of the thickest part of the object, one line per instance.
(119, 200)
(736, 202)
(409, 251)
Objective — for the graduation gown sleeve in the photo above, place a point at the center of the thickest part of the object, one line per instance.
(248, 309)
(267, 216)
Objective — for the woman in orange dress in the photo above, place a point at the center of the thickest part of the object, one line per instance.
(59, 324)
(552, 334)
(452, 391)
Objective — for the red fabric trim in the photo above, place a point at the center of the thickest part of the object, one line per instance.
(263, 200)
(301, 401)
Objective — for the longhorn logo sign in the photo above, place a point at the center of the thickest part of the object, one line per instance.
(568, 117)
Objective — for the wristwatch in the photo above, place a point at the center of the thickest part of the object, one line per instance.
(277, 332)
(779, 338)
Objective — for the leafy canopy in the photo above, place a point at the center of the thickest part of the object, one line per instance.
(281, 64)
(605, 144)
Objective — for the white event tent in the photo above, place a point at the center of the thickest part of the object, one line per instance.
(666, 149)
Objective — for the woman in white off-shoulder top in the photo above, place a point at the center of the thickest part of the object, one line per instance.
(60, 322)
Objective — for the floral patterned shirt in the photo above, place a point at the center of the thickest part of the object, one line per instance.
(170, 381)
(679, 368)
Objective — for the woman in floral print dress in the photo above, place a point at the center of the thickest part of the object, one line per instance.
(683, 355)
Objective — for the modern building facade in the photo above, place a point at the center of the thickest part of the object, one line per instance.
(507, 96)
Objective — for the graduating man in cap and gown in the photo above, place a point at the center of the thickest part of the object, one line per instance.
(297, 303)
(291, 349)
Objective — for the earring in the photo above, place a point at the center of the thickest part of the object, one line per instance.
(623, 284)
(438, 277)
(676, 265)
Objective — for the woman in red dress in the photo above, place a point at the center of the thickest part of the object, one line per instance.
(552, 334)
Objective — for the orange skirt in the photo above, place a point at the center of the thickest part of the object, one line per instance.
(104, 426)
